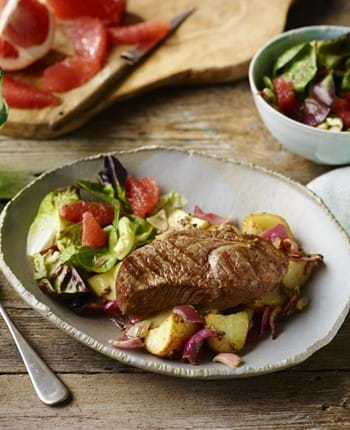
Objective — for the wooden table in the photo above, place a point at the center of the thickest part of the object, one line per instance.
(220, 119)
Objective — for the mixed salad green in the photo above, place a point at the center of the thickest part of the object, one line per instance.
(310, 83)
(82, 232)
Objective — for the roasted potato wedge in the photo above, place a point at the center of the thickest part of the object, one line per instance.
(232, 331)
(274, 298)
(169, 336)
(103, 284)
(257, 223)
(180, 219)
(298, 273)
(157, 318)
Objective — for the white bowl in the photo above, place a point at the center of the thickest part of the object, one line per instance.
(321, 146)
(229, 188)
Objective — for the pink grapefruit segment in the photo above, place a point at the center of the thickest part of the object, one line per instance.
(26, 32)
(22, 95)
(142, 194)
(92, 235)
(68, 74)
(29, 24)
(139, 33)
(111, 11)
(7, 50)
(89, 38)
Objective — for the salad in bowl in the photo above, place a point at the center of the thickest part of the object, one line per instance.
(174, 282)
(310, 83)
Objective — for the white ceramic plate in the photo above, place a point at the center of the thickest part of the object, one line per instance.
(228, 188)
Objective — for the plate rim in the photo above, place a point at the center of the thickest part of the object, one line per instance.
(170, 368)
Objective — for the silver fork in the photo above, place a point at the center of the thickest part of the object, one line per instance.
(48, 387)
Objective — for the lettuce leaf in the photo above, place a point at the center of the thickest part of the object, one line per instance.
(302, 69)
(345, 83)
(101, 192)
(159, 221)
(144, 231)
(70, 236)
(48, 225)
(170, 202)
(98, 260)
(287, 56)
(330, 53)
(126, 239)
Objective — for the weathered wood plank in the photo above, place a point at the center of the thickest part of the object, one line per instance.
(284, 400)
(220, 120)
(66, 355)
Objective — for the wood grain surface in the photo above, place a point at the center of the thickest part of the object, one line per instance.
(222, 120)
(215, 44)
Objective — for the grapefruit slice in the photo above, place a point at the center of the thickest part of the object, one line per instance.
(92, 235)
(139, 33)
(7, 50)
(74, 211)
(26, 32)
(19, 94)
(68, 74)
(110, 11)
(89, 38)
(142, 194)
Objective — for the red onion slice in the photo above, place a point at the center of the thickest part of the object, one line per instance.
(302, 303)
(289, 307)
(210, 217)
(111, 307)
(291, 246)
(278, 232)
(307, 258)
(194, 343)
(128, 343)
(139, 329)
(274, 316)
(264, 321)
(188, 313)
(135, 319)
(230, 359)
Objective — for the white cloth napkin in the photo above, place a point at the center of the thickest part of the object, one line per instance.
(334, 190)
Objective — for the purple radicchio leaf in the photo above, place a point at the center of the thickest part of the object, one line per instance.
(113, 172)
(316, 107)
(324, 90)
(66, 285)
(313, 112)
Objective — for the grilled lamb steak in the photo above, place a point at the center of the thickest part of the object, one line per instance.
(213, 267)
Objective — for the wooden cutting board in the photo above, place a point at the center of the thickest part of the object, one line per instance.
(214, 45)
